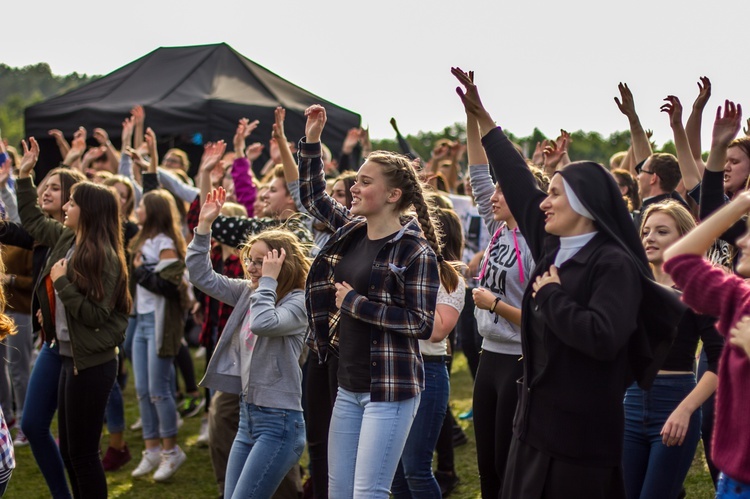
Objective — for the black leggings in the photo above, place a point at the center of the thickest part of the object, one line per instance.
(495, 400)
(81, 401)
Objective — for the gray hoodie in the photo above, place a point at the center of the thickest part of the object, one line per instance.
(499, 270)
(275, 378)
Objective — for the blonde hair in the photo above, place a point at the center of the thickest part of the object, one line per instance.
(7, 325)
(681, 216)
(296, 265)
(182, 155)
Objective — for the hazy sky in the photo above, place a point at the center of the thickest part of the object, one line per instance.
(546, 64)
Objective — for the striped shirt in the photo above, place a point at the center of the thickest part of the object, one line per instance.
(400, 301)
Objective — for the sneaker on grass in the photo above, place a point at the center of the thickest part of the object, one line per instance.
(192, 405)
(149, 463)
(203, 434)
(171, 461)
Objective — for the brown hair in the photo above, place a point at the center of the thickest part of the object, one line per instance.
(399, 173)
(161, 218)
(98, 233)
(68, 178)
(625, 178)
(296, 264)
(665, 166)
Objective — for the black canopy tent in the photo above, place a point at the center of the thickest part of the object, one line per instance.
(191, 95)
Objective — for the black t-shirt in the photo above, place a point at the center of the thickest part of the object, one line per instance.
(355, 268)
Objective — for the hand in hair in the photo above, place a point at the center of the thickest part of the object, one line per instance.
(272, 263)
(30, 157)
(210, 210)
(316, 121)
(739, 335)
(548, 277)
(59, 269)
(342, 289)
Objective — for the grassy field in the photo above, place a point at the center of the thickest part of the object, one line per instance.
(196, 480)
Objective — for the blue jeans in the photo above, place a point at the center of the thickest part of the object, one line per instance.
(268, 443)
(414, 477)
(365, 442)
(153, 382)
(115, 412)
(39, 409)
(729, 488)
(650, 468)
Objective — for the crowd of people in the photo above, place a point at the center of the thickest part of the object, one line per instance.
(602, 309)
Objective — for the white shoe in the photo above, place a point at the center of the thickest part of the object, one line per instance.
(203, 434)
(180, 421)
(200, 353)
(170, 463)
(149, 462)
(138, 425)
(22, 441)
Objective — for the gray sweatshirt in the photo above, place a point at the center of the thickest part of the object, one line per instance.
(273, 378)
(499, 270)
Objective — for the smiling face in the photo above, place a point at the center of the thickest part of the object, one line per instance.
(51, 198)
(559, 217)
(736, 170)
(253, 262)
(72, 214)
(659, 233)
(370, 193)
(278, 201)
(500, 210)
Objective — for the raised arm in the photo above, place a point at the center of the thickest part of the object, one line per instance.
(139, 123)
(267, 317)
(210, 170)
(693, 126)
(312, 183)
(62, 144)
(698, 240)
(509, 167)
(113, 158)
(638, 137)
(556, 153)
(691, 175)
(291, 173)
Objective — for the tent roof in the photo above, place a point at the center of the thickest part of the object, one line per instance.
(186, 91)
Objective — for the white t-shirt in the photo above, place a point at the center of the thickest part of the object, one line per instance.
(150, 251)
(455, 300)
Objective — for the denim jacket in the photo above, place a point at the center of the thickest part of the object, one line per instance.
(402, 293)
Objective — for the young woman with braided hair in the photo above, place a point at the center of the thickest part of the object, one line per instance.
(371, 295)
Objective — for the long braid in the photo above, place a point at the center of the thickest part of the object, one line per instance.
(400, 173)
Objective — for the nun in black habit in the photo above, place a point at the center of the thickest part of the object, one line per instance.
(592, 319)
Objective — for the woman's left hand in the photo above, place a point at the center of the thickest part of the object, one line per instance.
(272, 263)
(547, 278)
(675, 428)
(342, 289)
(59, 269)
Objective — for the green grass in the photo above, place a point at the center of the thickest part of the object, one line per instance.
(196, 478)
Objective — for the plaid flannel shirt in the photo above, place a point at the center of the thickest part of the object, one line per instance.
(7, 456)
(400, 303)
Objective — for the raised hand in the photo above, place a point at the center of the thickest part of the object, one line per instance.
(470, 96)
(727, 124)
(350, 141)
(316, 121)
(394, 125)
(627, 104)
(538, 157)
(138, 114)
(212, 154)
(62, 144)
(747, 128)
(244, 129)
(210, 210)
(555, 151)
(93, 154)
(77, 147)
(364, 140)
(272, 263)
(101, 136)
(673, 108)
(277, 129)
(29, 159)
(150, 139)
(704, 93)
(254, 151)
(128, 125)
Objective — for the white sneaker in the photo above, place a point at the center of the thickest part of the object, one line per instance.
(170, 463)
(203, 434)
(200, 353)
(22, 441)
(180, 421)
(149, 462)
(138, 425)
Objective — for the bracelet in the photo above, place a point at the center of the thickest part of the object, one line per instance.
(494, 305)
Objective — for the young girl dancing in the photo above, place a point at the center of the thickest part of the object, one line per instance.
(258, 354)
